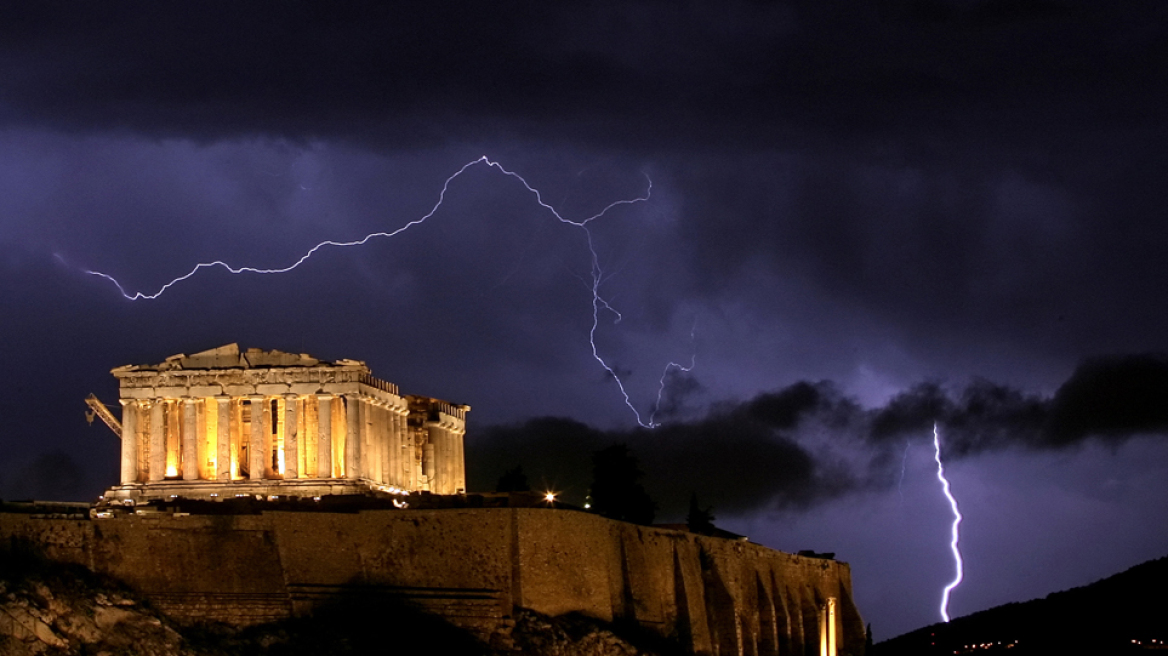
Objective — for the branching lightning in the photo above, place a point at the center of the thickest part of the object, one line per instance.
(664, 374)
(597, 274)
(956, 526)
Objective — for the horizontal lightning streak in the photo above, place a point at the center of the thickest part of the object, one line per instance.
(598, 302)
(373, 235)
(956, 525)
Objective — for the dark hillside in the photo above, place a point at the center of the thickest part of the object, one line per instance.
(1125, 613)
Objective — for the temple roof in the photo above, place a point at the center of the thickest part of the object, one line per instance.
(229, 356)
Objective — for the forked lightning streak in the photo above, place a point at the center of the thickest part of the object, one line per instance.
(596, 272)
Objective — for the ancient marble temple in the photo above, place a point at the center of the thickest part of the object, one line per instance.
(227, 422)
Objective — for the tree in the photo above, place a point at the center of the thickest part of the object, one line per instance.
(699, 520)
(513, 480)
(616, 489)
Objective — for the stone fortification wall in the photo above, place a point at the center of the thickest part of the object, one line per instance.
(474, 566)
(719, 596)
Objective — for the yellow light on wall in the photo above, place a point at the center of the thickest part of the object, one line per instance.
(550, 497)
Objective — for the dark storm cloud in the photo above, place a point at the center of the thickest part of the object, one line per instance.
(737, 457)
(971, 168)
(665, 73)
(1107, 398)
(758, 453)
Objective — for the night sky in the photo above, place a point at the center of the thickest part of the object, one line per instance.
(865, 217)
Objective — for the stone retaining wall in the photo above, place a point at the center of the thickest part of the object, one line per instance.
(473, 566)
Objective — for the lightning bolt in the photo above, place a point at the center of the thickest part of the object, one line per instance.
(597, 273)
(956, 526)
(664, 374)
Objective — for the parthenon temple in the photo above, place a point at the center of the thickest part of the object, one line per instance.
(227, 422)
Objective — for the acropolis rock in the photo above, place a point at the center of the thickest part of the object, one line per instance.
(353, 495)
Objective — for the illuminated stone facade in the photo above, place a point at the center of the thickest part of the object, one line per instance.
(227, 422)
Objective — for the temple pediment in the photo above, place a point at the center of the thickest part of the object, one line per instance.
(229, 356)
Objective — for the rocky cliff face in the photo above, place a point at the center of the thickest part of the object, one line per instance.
(58, 610)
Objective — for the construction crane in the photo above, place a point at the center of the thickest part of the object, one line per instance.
(98, 409)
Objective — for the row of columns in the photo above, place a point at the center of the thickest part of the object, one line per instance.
(385, 448)
(354, 436)
(445, 444)
(171, 445)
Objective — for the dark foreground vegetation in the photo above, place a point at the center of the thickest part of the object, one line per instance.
(1123, 614)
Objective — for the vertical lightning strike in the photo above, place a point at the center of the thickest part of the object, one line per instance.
(597, 273)
(956, 525)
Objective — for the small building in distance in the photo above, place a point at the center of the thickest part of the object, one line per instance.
(228, 423)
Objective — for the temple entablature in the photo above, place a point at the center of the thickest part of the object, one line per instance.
(230, 423)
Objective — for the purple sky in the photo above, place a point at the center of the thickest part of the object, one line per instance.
(865, 217)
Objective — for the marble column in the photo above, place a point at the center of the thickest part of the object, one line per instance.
(409, 452)
(372, 461)
(460, 459)
(353, 455)
(204, 442)
(394, 475)
(438, 436)
(367, 438)
(223, 437)
(431, 453)
(157, 441)
(374, 411)
(324, 441)
(190, 437)
(129, 441)
(392, 457)
(409, 458)
(291, 446)
(271, 438)
(173, 425)
(447, 457)
(382, 466)
(255, 447)
(451, 469)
